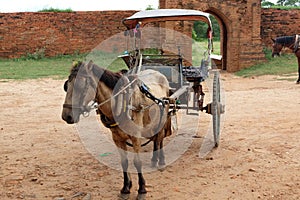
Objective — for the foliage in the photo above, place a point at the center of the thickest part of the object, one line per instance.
(200, 29)
(266, 4)
(55, 10)
(149, 7)
(293, 3)
(282, 4)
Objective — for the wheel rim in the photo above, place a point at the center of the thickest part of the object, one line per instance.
(216, 108)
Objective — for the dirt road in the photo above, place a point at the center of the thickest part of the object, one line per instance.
(41, 157)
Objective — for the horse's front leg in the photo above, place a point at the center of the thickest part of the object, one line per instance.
(127, 183)
(122, 148)
(138, 165)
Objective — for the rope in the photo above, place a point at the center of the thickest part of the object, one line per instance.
(109, 99)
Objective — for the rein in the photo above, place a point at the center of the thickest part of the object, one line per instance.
(119, 92)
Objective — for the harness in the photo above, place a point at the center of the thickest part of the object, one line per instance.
(126, 93)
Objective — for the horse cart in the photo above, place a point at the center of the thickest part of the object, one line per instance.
(160, 85)
(184, 79)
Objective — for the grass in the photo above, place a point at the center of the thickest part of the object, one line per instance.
(34, 67)
(59, 67)
(285, 64)
(21, 69)
(199, 49)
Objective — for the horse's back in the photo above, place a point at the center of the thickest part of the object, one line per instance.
(156, 81)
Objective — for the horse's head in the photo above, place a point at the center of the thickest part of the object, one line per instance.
(277, 47)
(81, 89)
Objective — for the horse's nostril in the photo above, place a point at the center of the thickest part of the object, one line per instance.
(69, 119)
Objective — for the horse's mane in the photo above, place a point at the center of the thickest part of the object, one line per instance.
(108, 77)
(285, 40)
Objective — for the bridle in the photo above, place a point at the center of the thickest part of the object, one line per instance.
(83, 109)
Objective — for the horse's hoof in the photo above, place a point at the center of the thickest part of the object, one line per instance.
(124, 196)
(161, 163)
(142, 190)
(126, 188)
(298, 82)
(154, 164)
(141, 197)
(161, 167)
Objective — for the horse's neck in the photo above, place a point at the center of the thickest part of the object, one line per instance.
(104, 94)
(290, 44)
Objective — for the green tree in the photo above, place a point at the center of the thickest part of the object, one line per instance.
(294, 3)
(200, 29)
(149, 7)
(265, 3)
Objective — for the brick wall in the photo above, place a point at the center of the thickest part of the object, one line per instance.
(246, 29)
(56, 33)
(276, 22)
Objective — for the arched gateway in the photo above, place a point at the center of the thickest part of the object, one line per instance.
(240, 25)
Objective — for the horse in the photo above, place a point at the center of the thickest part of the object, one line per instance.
(88, 83)
(293, 43)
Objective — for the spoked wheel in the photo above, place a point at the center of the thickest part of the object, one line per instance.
(216, 108)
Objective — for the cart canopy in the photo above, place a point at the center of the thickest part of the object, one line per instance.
(148, 16)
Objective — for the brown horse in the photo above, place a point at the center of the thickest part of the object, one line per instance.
(293, 43)
(141, 116)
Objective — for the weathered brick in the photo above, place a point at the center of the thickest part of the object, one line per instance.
(249, 28)
(57, 33)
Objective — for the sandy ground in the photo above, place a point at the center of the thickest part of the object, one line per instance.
(41, 157)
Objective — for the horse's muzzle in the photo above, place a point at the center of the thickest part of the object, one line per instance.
(70, 113)
(68, 118)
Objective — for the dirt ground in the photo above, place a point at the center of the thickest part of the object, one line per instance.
(41, 157)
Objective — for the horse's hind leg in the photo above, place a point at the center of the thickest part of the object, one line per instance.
(162, 161)
(298, 56)
(154, 158)
(158, 152)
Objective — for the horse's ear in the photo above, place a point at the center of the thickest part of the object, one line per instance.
(90, 65)
(66, 86)
(74, 64)
(273, 40)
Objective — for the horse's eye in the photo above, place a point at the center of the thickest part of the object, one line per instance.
(66, 86)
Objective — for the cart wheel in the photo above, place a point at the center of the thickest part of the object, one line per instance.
(216, 108)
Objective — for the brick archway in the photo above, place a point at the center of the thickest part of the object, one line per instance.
(240, 23)
(223, 34)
